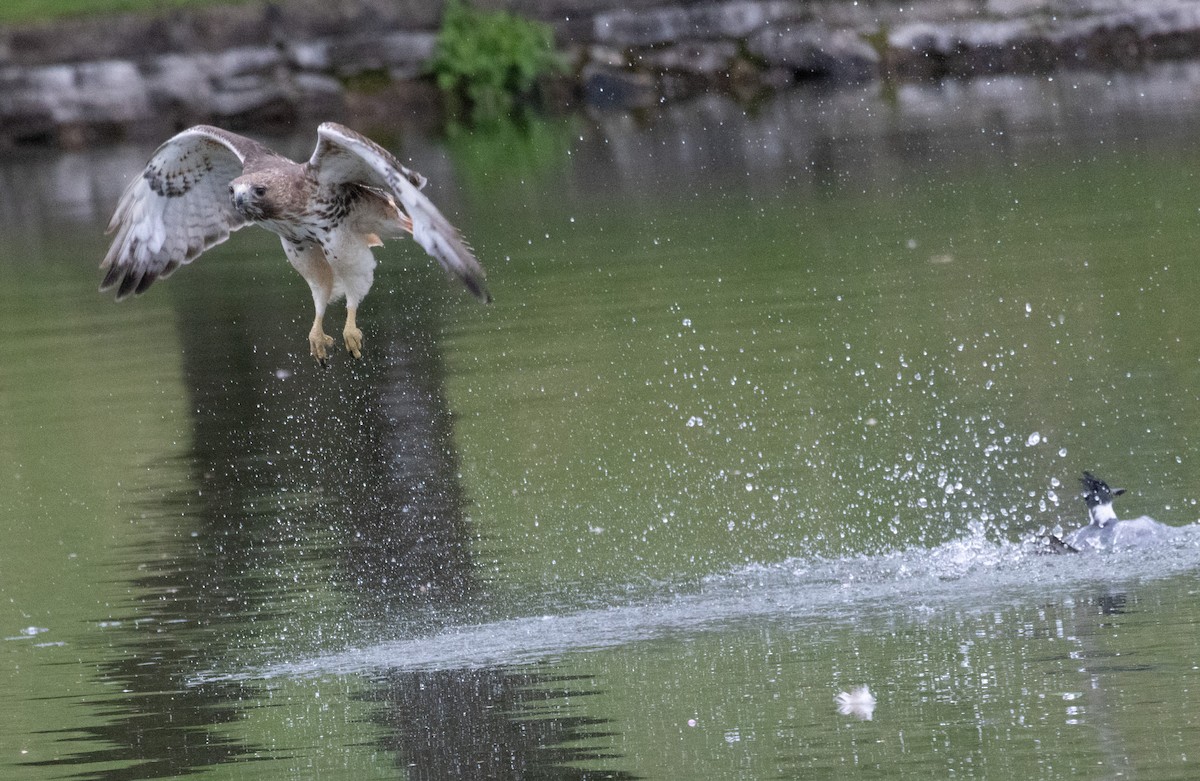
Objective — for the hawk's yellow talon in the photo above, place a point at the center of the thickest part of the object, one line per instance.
(319, 342)
(354, 340)
(352, 336)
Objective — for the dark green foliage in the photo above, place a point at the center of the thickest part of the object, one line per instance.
(487, 61)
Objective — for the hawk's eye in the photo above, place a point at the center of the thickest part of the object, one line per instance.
(259, 190)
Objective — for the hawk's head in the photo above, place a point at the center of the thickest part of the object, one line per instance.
(252, 197)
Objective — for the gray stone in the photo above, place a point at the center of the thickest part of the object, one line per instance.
(245, 61)
(606, 55)
(254, 101)
(1125, 38)
(403, 53)
(814, 50)
(107, 91)
(618, 89)
(1163, 20)
(67, 103)
(111, 92)
(270, 62)
(27, 111)
(208, 29)
(672, 23)
(972, 48)
(1104, 34)
(310, 55)
(319, 96)
(696, 58)
(1094, 43)
(180, 88)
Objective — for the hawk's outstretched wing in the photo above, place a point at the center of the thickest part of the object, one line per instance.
(177, 208)
(344, 157)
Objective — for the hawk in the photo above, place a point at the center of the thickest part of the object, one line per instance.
(329, 212)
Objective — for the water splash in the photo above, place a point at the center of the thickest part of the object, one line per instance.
(970, 574)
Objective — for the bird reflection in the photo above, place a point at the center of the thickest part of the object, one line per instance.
(322, 510)
(490, 723)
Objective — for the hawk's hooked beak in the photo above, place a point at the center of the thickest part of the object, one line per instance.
(239, 193)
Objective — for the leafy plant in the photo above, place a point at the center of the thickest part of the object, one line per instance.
(487, 61)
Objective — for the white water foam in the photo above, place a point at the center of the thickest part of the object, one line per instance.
(969, 574)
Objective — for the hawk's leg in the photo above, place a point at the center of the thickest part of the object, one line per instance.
(351, 335)
(309, 259)
(319, 341)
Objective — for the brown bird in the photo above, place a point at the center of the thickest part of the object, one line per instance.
(329, 212)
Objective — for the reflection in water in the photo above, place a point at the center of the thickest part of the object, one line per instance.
(154, 728)
(327, 507)
(489, 723)
(360, 456)
(826, 138)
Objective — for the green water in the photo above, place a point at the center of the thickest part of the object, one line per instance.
(764, 407)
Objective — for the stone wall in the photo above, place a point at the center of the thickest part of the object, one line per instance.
(274, 64)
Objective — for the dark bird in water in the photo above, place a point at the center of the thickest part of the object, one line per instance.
(1105, 530)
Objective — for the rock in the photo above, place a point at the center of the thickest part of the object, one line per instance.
(228, 87)
(614, 88)
(557, 93)
(1107, 35)
(319, 97)
(689, 68)
(968, 48)
(695, 58)
(26, 107)
(261, 109)
(109, 92)
(814, 50)
(70, 104)
(402, 54)
(672, 23)
(244, 95)
(606, 55)
(196, 30)
(277, 61)
(179, 89)
(1098, 45)
(245, 61)
(399, 104)
(310, 55)
(43, 103)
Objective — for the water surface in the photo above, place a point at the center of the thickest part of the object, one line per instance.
(766, 404)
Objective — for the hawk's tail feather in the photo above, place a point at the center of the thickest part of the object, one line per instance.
(455, 256)
(476, 285)
(131, 280)
(124, 280)
(471, 273)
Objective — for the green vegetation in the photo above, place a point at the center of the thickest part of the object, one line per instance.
(487, 61)
(39, 10)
